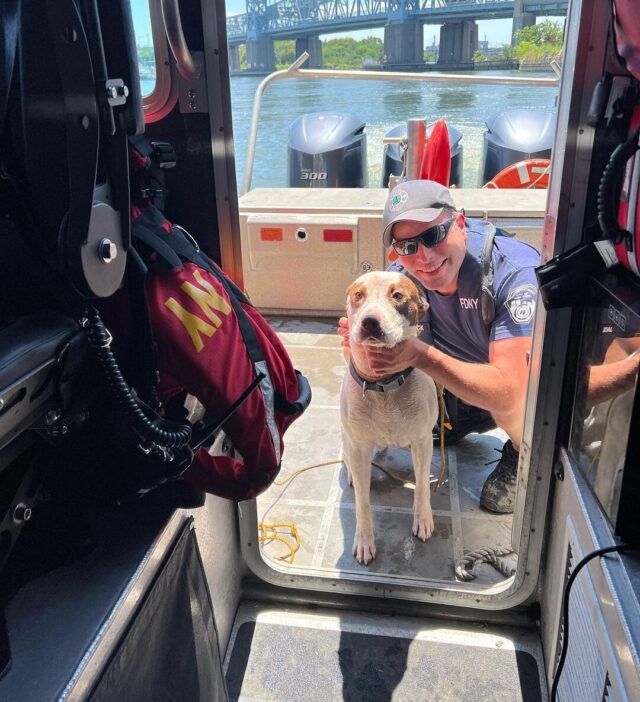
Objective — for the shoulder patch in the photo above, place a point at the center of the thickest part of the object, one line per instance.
(521, 303)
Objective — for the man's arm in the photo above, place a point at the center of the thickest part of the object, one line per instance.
(611, 379)
(498, 386)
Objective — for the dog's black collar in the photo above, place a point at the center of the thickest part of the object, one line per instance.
(386, 384)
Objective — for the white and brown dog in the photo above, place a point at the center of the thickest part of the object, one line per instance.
(383, 309)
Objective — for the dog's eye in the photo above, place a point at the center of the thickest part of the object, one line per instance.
(397, 295)
(357, 295)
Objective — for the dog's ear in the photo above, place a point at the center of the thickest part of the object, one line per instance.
(423, 306)
(348, 297)
(416, 309)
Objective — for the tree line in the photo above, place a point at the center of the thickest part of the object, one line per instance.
(345, 53)
(540, 42)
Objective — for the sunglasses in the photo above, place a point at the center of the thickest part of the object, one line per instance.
(429, 238)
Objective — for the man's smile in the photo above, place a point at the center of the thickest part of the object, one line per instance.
(433, 268)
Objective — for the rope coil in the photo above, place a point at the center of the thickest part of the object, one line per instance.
(491, 555)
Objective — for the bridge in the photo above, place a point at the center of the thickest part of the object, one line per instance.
(403, 20)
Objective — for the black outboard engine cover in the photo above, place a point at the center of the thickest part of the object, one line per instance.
(515, 135)
(392, 156)
(327, 150)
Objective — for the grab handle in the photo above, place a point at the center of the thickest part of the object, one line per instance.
(187, 66)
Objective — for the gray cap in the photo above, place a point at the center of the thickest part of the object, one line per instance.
(414, 201)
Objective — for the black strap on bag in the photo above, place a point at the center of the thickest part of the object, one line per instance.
(487, 302)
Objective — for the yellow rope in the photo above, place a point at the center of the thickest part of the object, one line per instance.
(269, 533)
(291, 476)
(443, 424)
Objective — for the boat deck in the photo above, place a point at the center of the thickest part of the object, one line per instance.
(293, 653)
(320, 503)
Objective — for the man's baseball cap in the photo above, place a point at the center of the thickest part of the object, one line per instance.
(414, 201)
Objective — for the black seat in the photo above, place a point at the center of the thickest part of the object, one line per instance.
(39, 357)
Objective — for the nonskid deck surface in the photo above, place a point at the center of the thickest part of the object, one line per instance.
(321, 504)
(287, 654)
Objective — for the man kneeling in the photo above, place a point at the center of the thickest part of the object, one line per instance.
(476, 342)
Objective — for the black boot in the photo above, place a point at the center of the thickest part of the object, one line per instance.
(499, 489)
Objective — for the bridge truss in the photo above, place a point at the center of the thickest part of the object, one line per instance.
(293, 18)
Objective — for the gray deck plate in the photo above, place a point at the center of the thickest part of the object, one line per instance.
(284, 655)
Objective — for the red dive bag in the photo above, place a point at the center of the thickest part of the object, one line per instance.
(213, 344)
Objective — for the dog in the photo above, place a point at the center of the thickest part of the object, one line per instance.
(383, 309)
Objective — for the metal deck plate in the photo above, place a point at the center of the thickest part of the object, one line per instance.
(288, 654)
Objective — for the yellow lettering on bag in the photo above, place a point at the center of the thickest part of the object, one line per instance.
(207, 300)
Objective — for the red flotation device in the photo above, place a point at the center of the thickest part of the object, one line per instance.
(436, 159)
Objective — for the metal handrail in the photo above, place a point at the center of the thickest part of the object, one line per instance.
(187, 66)
(294, 72)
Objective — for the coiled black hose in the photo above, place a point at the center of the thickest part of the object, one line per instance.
(607, 191)
(158, 431)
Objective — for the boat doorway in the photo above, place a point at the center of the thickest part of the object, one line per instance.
(306, 519)
(300, 532)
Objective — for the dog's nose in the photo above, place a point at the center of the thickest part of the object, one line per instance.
(370, 324)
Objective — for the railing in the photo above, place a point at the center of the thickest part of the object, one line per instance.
(294, 71)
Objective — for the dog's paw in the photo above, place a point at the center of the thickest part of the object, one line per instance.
(423, 525)
(364, 547)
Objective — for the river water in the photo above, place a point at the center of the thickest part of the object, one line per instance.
(381, 105)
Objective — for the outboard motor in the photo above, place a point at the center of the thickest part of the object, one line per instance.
(392, 155)
(327, 150)
(516, 135)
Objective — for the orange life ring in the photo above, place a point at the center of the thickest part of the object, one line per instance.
(531, 173)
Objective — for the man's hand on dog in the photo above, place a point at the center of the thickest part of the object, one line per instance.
(385, 361)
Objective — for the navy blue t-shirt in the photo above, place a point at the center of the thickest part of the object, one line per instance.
(454, 324)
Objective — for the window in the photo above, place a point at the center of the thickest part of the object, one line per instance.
(144, 46)
(156, 85)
